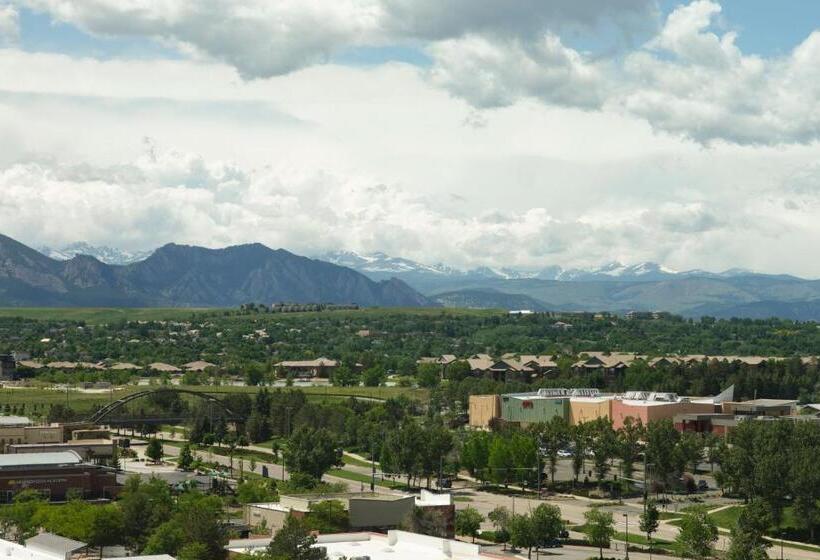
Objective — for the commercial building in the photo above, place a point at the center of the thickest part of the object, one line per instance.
(21, 430)
(395, 545)
(531, 408)
(483, 410)
(761, 407)
(650, 407)
(366, 510)
(46, 546)
(54, 475)
(587, 409)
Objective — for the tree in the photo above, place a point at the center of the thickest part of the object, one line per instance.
(474, 454)
(500, 461)
(690, 451)
(468, 522)
(154, 450)
(192, 551)
(603, 444)
(650, 520)
(186, 458)
(661, 443)
(313, 452)
(255, 491)
(328, 516)
(293, 542)
(546, 523)
(522, 534)
(629, 446)
(198, 519)
(145, 506)
(698, 533)
(747, 534)
(344, 376)
(579, 436)
(500, 518)
(553, 437)
(599, 529)
(17, 519)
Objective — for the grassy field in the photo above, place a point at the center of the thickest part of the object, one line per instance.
(100, 315)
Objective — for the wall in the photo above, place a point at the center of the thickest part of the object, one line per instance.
(531, 411)
(587, 410)
(650, 412)
(367, 513)
(483, 409)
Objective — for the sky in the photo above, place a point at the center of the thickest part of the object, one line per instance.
(521, 133)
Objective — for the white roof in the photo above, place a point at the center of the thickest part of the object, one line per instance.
(428, 498)
(39, 459)
(15, 421)
(396, 545)
(14, 551)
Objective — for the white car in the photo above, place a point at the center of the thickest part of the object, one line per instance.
(564, 453)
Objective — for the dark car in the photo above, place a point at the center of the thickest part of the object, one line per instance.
(703, 486)
(554, 543)
(564, 534)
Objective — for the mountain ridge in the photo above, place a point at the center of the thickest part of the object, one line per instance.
(189, 276)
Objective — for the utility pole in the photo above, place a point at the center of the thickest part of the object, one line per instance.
(626, 544)
(372, 466)
(538, 465)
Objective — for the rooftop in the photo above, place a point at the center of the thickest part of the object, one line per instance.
(15, 421)
(49, 543)
(16, 460)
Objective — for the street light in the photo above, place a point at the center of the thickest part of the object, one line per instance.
(626, 544)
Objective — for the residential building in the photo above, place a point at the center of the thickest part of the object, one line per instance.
(320, 367)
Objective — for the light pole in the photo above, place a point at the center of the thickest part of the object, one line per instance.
(626, 543)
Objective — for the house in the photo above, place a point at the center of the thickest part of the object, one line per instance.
(480, 365)
(198, 365)
(509, 370)
(163, 368)
(611, 365)
(320, 367)
(543, 366)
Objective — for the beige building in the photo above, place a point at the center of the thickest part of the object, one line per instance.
(483, 409)
(587, 409)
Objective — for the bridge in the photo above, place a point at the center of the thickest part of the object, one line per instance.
(105, 414)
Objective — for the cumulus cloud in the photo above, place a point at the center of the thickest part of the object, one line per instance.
(9, 25)
(168, 195)
(493, 73)
(686, 80)
(262, 38)
(691, 81)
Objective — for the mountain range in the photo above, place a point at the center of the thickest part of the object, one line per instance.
(612, 287)
(178, 275)
(191, 276)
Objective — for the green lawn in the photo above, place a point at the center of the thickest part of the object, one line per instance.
(348, 460)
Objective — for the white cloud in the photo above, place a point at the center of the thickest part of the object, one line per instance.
(9, 24)
(497, 73)
(690, 81)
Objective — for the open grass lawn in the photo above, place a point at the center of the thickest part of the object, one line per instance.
(363, 478)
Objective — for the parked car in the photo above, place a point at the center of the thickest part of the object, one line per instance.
(703, 486)
(565, 453)
(564, 534)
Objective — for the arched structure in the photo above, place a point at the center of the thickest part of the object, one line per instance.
(105, 411)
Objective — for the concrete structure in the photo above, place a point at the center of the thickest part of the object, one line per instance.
(8, 368)
(531, 408)
(396, 545)
(54, 474)
(366, 510)
(88, 449)
(586, 409)
(708, 423)
(484, 409)
(650, 407)
(19, 430)
(761, 407)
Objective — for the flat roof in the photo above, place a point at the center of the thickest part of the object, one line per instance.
(766, 402)
(54, 544)
(15, 421)
(11, 460)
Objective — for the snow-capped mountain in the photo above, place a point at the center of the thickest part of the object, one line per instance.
(380, 266)
(108, 255)
(382, 263)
